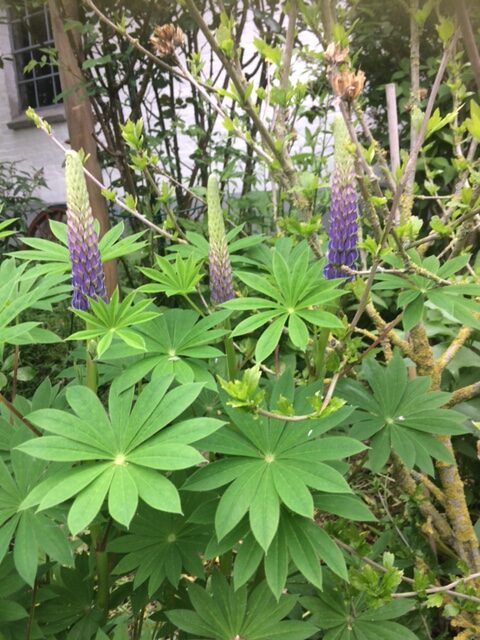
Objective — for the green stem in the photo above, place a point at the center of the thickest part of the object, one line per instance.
(103, 574)
(319, 351)
(91, 374)
(31, 614)
(98, 540)
(194, 306)
(230, 353)
(101, 559)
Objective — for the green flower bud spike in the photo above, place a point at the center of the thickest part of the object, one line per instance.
(221, 285)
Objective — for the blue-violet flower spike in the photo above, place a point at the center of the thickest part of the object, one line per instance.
(221, 284)
(88, 279)
(343, 232)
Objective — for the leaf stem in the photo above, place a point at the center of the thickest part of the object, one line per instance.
(230, 353)
(14, 411)
(194, 306)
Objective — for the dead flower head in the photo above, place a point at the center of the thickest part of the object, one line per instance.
(334, 55)
(348, 85)
(165, 39)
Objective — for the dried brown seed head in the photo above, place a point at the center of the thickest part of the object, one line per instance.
(335, 55)
(348, 85)
(166, 38)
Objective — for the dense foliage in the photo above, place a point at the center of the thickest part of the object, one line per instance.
(269, 429)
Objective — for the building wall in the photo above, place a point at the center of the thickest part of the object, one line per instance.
(20, 141)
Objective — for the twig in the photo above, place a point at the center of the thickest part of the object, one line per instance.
(13, 410)
(392, 125)
(46, 128)
(464, 394)
(448, 588)
(285, 418)
(448, 355)
(133, 41)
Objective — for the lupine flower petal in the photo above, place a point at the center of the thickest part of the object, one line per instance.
(221, 284)
(343, 232)
(88, 280)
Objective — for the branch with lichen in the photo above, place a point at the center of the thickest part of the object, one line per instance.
(447, 356)
(456, 507)
(394, 338)
(463, 394)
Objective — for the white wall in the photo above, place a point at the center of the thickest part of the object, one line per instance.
(28, 145)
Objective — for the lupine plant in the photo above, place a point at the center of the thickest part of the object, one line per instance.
(256, 436)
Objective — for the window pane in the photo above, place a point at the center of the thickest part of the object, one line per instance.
(46, 92)
(31, 31)
(44, 70)
(22, 60)
(27, 94)
(20, 34)
(38, 28)
(58, 88)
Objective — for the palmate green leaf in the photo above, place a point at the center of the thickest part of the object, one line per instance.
(120, 451)
(346, 506)
(293, 491)
(176, 343)
(457, 300)
(268, 463)
(34, 536)
(11, 611)
(296, 293)
(276, 564)
(236, 500)
(265, 510)
(401, 414)
(302, 552)
(269, 339)
(174, 279)
(21, 288)
(154, 540)
(89, 502)
(25, 549)
(115, 318)
(223, 614)
(352, 620)
(122, 496)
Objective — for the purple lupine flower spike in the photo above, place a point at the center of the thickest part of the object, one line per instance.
(343, 232)
(221, 284)
(88, 279)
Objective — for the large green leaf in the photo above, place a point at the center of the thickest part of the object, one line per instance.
(296, 292)
(400, 414)
(223, 614)
(120, 451)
